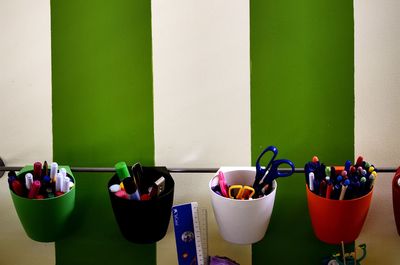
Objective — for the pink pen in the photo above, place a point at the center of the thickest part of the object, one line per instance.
(222, 184)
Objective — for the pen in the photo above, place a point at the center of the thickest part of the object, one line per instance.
(322, 188)
(137, 172)
(329, 190)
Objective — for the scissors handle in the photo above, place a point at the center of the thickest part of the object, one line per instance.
(259, 169)
(275, 169)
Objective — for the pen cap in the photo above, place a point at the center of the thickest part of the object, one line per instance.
(122, 170)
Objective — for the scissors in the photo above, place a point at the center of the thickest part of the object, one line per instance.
(265, 176)
(240, 192)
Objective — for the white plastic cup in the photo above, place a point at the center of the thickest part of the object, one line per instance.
(241, 221)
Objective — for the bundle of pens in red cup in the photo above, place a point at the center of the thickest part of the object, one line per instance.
(340, 182)
(41, 183)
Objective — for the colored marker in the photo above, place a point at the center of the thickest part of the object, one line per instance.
(63, 171)
(131, 189)
(315, 159)
(122, 170)
(322, 188)
(311, 181)
(34, 189)
(114, 188)
(329, 190)
(16, 186)
(53, 171)
(37, 170)
(347, 165)
(344, 188)
(65, 186)
(59, 182)
(28, 180)
(45, 169)
(137, 171)
(359, 161)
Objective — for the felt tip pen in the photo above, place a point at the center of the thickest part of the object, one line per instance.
(16, 186)
(222, 184)
(53, 171)
(34, 189)
(59, 181)
(28, 180)
(45, 169)
(329, 190)
(131, 189)
(63, 171)
(311, 181)
(37, 170)
(122, 170)
(344, 188)
(65, 186)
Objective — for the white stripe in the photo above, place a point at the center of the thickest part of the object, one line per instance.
(201, 79)
(377, 123)
(26, 132)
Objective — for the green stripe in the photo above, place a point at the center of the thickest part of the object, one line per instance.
(302, 101)
(102, 113)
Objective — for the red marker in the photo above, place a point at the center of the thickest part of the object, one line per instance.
(329, 190)
(360, 160)
(17, 187)
(37, 170)
(315, 159)
(34, 189)
(222, 184)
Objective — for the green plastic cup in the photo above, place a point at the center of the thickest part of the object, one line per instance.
(45, 220)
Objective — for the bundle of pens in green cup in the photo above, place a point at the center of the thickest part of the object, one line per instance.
(41, 183)
(340, 182)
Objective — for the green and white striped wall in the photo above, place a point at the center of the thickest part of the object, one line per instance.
(186, 83)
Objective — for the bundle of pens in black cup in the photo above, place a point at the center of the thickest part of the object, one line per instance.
(340, 182)
(136, 187)
(41, 182)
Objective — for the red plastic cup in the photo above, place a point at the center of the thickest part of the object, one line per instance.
(334, 221)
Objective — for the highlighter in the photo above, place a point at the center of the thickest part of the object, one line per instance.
(122, 170)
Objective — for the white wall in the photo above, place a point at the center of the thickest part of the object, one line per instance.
(377, 123)
(25, 130)
(201, 79)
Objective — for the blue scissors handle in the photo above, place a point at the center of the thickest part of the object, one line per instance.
(276, 173)
(260, 171)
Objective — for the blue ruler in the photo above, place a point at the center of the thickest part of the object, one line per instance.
(190, 225)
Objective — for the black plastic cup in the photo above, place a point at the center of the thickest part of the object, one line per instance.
(144, 221)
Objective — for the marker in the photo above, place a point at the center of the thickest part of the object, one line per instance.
(53, 171)
(63, 171)
(347, 165)
(311, 181)
(327, 171)
(344, 188)
(122, 170)
(322, 188)
(131, 189)
(65, 186)
(372, 179)
(37, 170)
(122, 194)
(45, 169)
(114, 188)
(329, 190)
(315, 159)
(28, 180)
(16, 186)
(34, 189)
(359, 161)
(59, 182)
